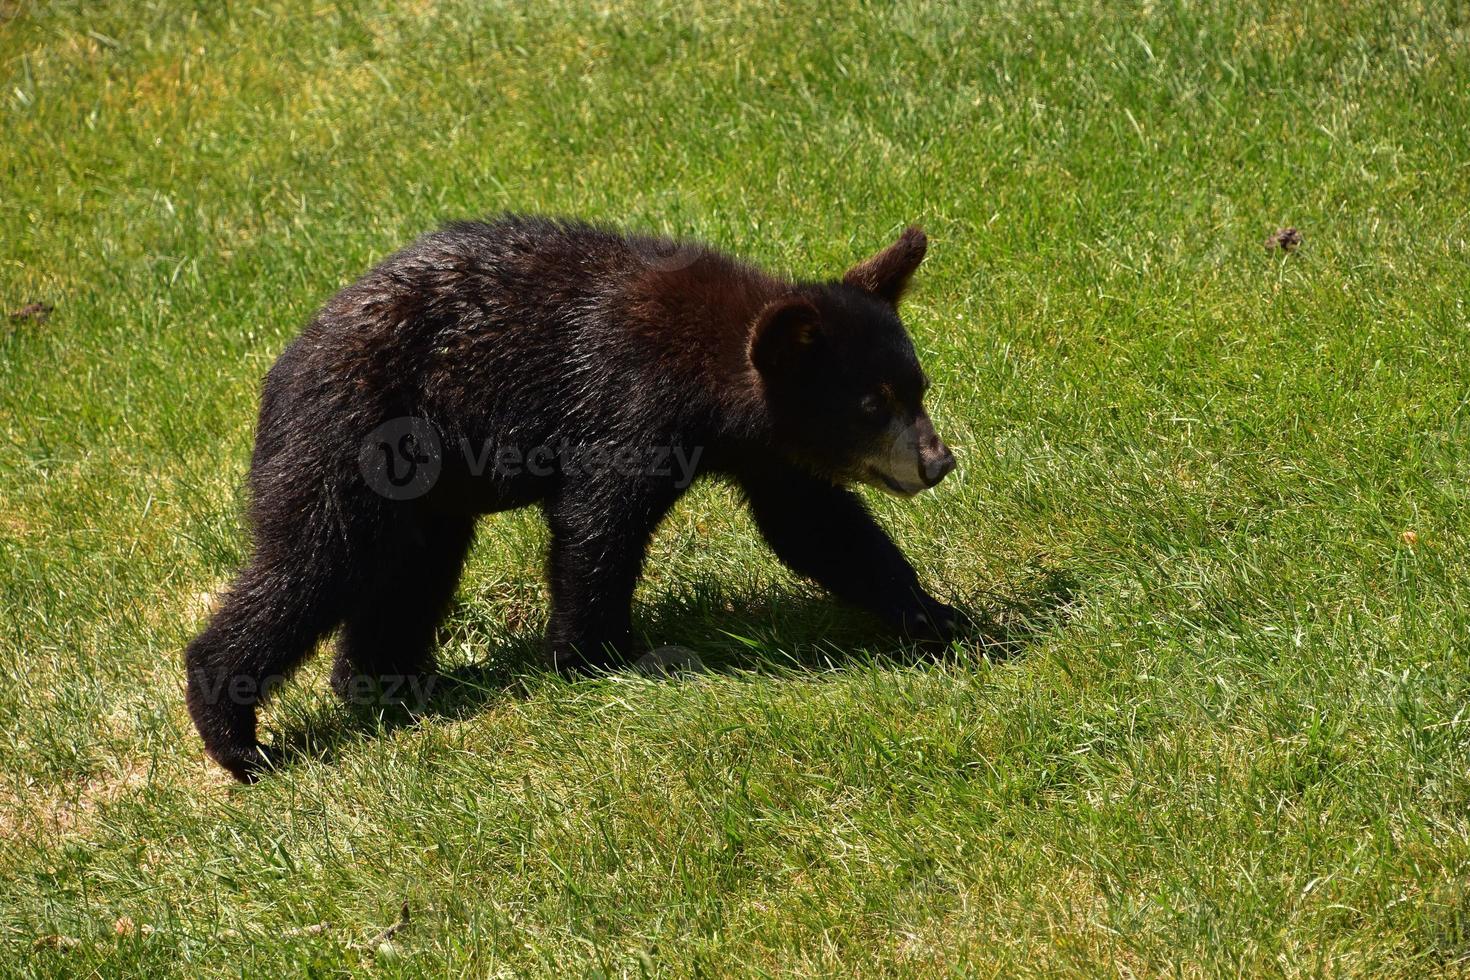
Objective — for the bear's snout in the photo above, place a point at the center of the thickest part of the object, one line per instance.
(935, 461)
(912, 460)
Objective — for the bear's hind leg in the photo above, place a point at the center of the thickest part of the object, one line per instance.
(269, 622)
(385, 653)
(599, 534)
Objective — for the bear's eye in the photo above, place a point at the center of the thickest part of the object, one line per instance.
(871, 406)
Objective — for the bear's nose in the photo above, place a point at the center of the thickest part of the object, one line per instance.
(937, 465)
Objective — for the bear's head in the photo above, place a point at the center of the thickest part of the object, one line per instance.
(840, 379)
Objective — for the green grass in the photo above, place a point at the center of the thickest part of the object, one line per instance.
(1212, 498)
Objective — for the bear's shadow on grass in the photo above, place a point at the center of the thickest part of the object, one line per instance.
(774, 633)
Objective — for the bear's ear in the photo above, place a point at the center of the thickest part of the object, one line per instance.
(886, 275)
(784, 331)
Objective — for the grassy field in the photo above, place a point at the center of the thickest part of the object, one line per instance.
(1211, 509)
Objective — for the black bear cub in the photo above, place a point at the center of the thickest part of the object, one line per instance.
(531, 361)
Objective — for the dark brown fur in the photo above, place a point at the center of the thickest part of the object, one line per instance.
(549, 340)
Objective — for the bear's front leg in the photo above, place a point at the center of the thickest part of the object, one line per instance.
(826, 533)
(599, 534)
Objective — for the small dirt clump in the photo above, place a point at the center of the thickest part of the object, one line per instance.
(32, 311)
(1286, 239)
